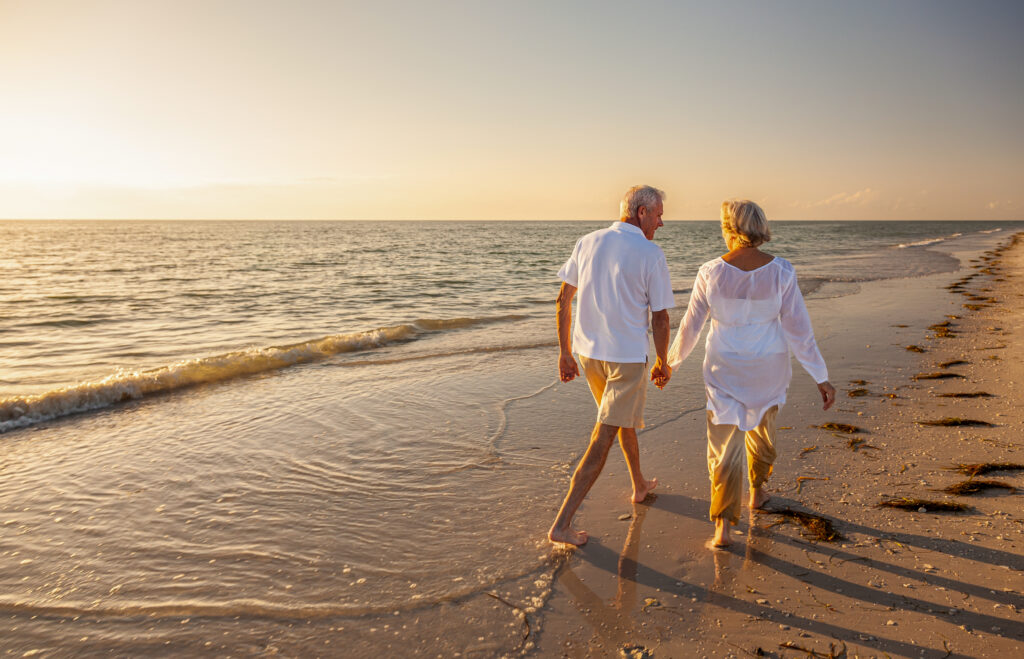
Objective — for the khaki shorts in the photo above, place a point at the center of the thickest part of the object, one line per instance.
(619, 389)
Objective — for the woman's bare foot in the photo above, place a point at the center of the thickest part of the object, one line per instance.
(722, 529)
(641, 494)
(568, 536)
(758, 497)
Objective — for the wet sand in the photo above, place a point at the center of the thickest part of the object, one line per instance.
(917, 583)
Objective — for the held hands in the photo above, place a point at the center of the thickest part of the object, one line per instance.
(567, 369)
(661, 373)
(828, 394)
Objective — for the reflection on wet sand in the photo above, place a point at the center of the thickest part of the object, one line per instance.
(614, 623)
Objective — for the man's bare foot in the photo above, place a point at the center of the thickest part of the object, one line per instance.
(722, 529)
(758, 497)
(568, 536)
(641, 494)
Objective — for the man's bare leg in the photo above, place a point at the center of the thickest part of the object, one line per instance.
(583, 479)
(630, 449)
(722, 529)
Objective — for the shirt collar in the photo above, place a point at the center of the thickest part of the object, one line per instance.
(626, 226)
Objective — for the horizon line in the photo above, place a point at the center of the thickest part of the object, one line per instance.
(301, 219)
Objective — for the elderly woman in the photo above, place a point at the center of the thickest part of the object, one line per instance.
(757, 318)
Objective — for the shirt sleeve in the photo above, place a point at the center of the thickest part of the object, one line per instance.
(796, 325)
(659, 286)
(693, 323)
(569, 273)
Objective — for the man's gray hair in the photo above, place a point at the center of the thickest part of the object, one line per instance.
(637, 196)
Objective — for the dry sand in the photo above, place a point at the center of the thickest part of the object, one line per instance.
(913, 583)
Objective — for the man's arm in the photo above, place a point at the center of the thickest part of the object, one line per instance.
(660, 372)
(567, 369)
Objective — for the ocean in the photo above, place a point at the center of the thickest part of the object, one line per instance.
(249, 437)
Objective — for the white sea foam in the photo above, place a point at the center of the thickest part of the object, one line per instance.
(930, 241)
(21, 411)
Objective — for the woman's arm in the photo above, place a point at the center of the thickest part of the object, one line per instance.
(693, 323)
(796, 325)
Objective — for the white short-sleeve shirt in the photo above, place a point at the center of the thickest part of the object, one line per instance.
(620, 275)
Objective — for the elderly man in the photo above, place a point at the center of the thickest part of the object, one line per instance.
(619, 274)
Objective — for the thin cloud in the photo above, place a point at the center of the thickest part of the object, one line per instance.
(857, 198)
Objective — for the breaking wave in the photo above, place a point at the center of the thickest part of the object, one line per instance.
(22, 411)
(930, 241)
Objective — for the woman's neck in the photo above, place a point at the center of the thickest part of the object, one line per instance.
(747, 258)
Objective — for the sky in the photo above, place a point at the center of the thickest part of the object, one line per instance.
(548, 110)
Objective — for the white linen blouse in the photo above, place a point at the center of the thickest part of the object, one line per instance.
(757, 318)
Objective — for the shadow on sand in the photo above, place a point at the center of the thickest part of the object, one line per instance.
(756, 551)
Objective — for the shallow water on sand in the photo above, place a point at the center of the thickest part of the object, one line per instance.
(269, 464)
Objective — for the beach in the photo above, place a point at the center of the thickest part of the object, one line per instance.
(891, 582)
(312, 446)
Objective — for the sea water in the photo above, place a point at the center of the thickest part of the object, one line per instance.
(312, 437)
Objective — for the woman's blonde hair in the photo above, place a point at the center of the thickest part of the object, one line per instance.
(745, 223)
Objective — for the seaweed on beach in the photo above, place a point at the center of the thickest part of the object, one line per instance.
(939, 376)
(981, 468)
(802, 479)
(974, 486)
(942, 329)
(834, 652)
(953, 362)
(914, 348)
(859, 382)
(929, 506)
(855, 393)
(816, 526)
(975, 307)
(856, 443)
(526, 621)
(840, 427)
(967, 394)
(957, 421)
(634, 651)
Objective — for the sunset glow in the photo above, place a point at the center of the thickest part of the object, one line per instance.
(470, 110)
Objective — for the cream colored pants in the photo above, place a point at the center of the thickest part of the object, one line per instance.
(725, 462)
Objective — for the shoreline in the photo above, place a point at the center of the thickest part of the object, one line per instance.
(898, 583)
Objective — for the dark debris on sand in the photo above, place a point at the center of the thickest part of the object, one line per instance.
(974, 486)
(956, 421)
(834, 651)
(840, 427)
(942, 330)
(923, 505)
(815, 526)
(855, 393)
(981, 468)
(915, 348)
(954, 362)
(939, 376)
(967, 394)
(856, 443)
(633, 651)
